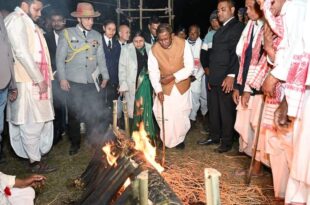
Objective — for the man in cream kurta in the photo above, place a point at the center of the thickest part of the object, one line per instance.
(170, 64)
(31, 115)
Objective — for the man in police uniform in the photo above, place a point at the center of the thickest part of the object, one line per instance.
(79, 54)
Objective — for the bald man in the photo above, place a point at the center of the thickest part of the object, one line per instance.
(123, 34)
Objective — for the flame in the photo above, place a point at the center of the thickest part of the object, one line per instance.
(110, 157)
(142, 144)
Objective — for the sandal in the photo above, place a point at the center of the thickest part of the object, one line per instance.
(41, 168)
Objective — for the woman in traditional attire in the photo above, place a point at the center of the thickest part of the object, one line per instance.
(135, 84)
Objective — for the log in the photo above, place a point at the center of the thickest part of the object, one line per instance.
(159, 191)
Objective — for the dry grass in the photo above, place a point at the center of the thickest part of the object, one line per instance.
(184, 173)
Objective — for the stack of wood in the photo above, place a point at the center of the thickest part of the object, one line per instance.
(104, 183)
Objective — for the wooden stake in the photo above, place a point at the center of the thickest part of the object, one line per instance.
(212, 186)
(114, 115)
(143, 187)
(126, 118)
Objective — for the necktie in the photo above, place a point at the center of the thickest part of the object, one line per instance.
(123, 44)
(110, 44)
(84, 32)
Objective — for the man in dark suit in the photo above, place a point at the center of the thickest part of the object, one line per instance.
(58, 24)
(150, 35)
(223, 67)
(112, 51)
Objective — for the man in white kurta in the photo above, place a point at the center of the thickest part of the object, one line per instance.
(198, 72)
(280, 146)
(170, 64)
(31, 116)
(297, 93)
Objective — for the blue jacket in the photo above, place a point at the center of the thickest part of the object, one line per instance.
(112, 59)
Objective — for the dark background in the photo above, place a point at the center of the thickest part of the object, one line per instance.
(186, 12)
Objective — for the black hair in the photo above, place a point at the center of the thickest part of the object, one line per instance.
(163, 27)
(232, 3)
(28, 1)
(154, 20)
(138, 33)
(109, 21)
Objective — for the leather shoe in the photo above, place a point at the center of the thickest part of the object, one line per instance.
(207, 142)
(74, 150)
(223, 148)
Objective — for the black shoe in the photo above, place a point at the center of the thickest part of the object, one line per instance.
(207, 142)
(74, 150)
(180, 146)
(223, 148)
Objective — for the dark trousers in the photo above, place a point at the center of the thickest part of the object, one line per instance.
(110, 94)
(85, 104)
(222, 115)
(59, 101)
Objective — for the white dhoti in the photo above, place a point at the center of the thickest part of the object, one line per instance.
(177, 109)
(32, 140)
(246, 125)
(298, 189)
(195, 105)
(23, 196)
(30, 122)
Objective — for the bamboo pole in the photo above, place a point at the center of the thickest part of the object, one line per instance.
(118, 14)
(164, 9)
(212, 186)
(141, 12)
(129, 13)
(126, 118)
(143, 187)
(114, 115)
(169, 10)
(147, 17)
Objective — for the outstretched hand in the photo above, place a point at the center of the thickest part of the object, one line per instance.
(35, 181)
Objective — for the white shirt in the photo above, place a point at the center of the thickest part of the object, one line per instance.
(226, 22)
(56, 37)
(180, 75)
(106, 39)
(122, 43)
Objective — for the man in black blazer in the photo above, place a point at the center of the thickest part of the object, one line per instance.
(150, 35)
(58, 24)
(223, 67)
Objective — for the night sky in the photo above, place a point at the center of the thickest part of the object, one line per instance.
(186, 12)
